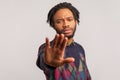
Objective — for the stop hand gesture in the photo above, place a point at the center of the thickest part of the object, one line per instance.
(54, 54)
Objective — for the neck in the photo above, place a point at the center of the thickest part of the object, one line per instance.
(71, 40)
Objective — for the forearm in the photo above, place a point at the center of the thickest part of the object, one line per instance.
(41, 63)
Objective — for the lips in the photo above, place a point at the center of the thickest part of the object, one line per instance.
(67, 31)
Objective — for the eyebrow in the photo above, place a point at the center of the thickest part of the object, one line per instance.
(62, 18)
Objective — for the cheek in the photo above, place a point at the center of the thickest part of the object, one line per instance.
(73, 26)
(58, 27)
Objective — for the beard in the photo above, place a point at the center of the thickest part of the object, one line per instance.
(68, 36)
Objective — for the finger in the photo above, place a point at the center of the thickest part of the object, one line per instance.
(64, 43)
(67, 60)
(46, 50)
(57, 63)
(55, 41)
(47, 43)
(60, 41)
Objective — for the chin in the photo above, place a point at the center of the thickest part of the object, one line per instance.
(66, 35)
(70, 36)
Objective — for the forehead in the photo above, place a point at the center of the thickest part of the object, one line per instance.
(62, 13)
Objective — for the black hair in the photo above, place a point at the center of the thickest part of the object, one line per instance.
(61, 6)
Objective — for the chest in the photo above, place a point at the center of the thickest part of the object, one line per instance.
(75, 52)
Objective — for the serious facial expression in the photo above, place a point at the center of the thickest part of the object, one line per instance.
(64, 22)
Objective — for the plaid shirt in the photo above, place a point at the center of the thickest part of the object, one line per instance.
(72, 71)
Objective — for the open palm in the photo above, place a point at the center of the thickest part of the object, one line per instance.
(54, 54)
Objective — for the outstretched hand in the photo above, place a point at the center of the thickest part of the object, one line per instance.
(54, 54)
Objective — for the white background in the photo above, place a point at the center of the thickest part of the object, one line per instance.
(23, 28)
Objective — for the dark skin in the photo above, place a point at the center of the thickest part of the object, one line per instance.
(64, 24)
(54, 55)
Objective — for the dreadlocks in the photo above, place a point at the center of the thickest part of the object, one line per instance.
(61, 6)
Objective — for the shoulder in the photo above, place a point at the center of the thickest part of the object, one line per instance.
(80, 47)
(41, 48)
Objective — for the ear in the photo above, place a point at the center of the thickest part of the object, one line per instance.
(52, 25)
(77, 22)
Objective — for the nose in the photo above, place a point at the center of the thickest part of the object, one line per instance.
(65, 24)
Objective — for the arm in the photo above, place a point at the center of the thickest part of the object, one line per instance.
(83, 58)
(40, 60)
(53, 55)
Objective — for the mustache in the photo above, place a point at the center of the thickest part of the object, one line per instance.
(66, 29)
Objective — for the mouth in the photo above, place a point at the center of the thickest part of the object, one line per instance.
(67, 31)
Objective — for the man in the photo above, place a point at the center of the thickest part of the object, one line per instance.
(63, 58)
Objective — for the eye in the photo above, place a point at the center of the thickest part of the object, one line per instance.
(58, 21)
(70, 19)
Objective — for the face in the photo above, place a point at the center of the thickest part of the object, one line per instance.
(64, 22)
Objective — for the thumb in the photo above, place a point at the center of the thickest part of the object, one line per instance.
(68, 60)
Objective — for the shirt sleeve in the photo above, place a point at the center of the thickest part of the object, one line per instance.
(40, 60)
(83, 57)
